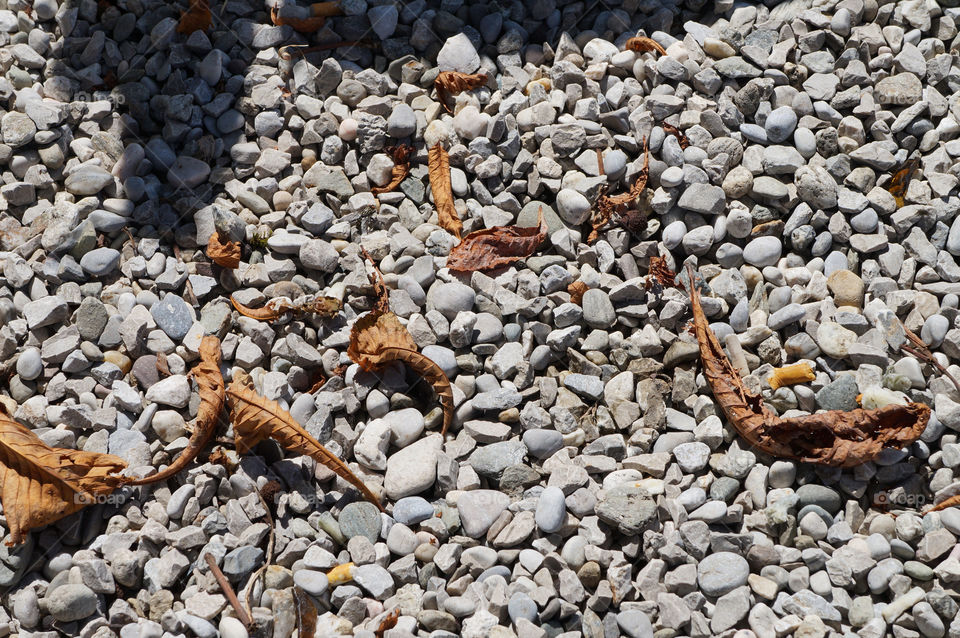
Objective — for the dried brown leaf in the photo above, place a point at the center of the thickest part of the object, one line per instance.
(196, 18)
(319, 12)
(209, 382)
(223, 253)
(901, 179)
(378, 339)
(163, 367)
(306, 614)
(661, 272)
(498, 246)
(641, 44)
(610, 208)
(389, 622)
(401, 168)
(576, 290)
(452, 82)
(670, 129)
(42, 484)
(443, 190)
(380, 289)
(278, 308)
(838, 438)
(256, 418)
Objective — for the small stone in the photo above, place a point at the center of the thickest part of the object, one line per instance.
(313, 582)
(360, 518)
(173, 316)
(551, 510)
(70, 602)
(722, 572)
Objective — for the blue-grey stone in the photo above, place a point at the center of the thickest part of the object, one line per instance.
(100, 261)
(840, 394)
(360, 519)
(173, 316)
(411, 510)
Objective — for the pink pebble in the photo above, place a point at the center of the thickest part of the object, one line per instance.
(348, 129)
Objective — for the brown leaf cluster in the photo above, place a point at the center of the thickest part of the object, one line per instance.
(610, 209)
(452, 82)
(443, 190)
(209, 382)
(838, 438)
(42, 484)
(223, 253)
(491, 248)
(661, 272)
(256, 418)
(901, 179)
(196, 18)
(641, 44)
(378, 338)
(401, 168)
(276, 309)
(670, 129)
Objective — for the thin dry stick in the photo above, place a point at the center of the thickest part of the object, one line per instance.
(266, 564)
(228, 591)
(920, 350)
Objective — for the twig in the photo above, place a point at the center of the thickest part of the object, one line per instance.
(228, 591)
(920, 350)
(286, 52)
(263, 568)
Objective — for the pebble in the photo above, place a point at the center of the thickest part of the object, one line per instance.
(551, 510)
(722, 572)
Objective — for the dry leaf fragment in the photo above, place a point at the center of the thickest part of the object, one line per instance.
(380, 289)
(389, 622)
(452, 82)
(223, 253)
(661, 272)
(256, 418)
(401, 168)
(196, 18)
(901, 179)
(319, 12)
(610, 208)
(306, 614)
(576, 290)
(790, 375)
(641, 44)
(498, 246)
(278, 308)
(210, 388)
(670, 129)
(42, 484)
(443, 190)
(379, 339)
(838, 438)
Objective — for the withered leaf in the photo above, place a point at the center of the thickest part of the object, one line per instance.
(610, 208)
(838, 438)
(382, 304)
(491, 248)
(209, 382)
(401, 168)
(196, 18)
(452, 82)
(278, 308)
(256, 418)
(443, 190)
(670, 129)
(306, 614)
(319, 12)
(378, 339)
(223, 253)
(576, 290)
(641, 44)
(42, 484)
(661, 272)
(901, 179)
(389, 622)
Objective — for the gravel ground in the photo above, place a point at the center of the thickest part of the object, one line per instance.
(590, 485)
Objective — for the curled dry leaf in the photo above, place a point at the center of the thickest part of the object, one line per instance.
(443, 190)
(576, 290)
(279, 308)
(42, 484)
(210, 388)
(901, 179)
(498, 246)
(163, 367)
(401, 168)
(670, 129)
(306, 614)
(196, 18)
(452, 82)
(256, 418)
(226, 254)
(661, 272)
(319, 12)
(641, 44)
(838, 438)
(380, 289)
(379, 339)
